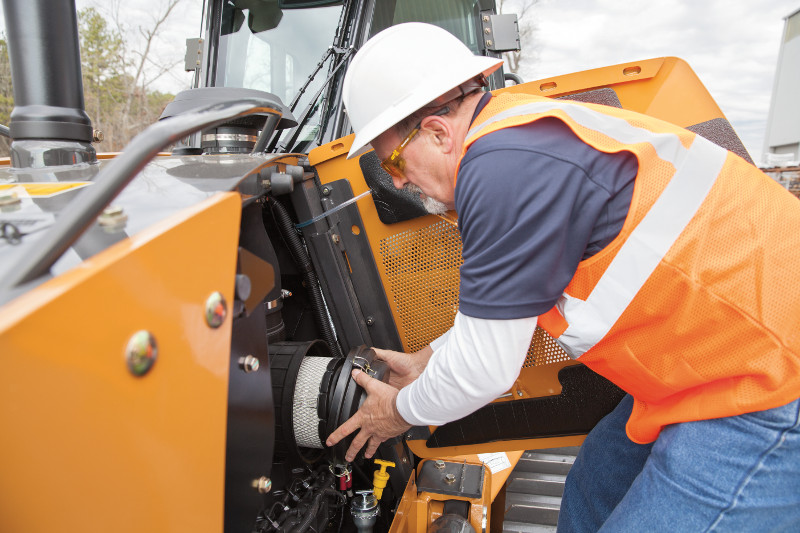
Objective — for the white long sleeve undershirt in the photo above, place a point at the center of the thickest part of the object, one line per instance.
(472, 364)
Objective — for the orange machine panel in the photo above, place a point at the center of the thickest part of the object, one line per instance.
(143, 453)
(665, 88)
(419, 508)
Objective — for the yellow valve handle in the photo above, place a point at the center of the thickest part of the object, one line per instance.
(381, 477)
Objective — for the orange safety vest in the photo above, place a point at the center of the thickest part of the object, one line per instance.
(694, 308)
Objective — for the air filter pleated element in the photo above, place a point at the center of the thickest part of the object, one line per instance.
(305, 419)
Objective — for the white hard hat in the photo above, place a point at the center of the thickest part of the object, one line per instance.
(402, 69)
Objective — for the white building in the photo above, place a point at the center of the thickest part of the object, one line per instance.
(782, 140)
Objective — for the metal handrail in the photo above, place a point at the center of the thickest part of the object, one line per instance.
(110, 181)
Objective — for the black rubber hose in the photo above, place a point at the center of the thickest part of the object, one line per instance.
(311, 515)
(303, 262)
(516, 78)
(290, 521)
(336, 494)
(322, 478)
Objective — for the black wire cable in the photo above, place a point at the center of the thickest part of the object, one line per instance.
(306, 268)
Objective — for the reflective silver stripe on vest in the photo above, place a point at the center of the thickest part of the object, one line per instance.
(697, 169)
(667, 145)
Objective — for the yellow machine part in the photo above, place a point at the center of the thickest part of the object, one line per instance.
(419, 509)
(418, 259)
(142, 453)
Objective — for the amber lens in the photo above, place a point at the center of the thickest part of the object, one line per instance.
(394, 165)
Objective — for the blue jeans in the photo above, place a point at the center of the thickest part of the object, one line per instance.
(735, 474)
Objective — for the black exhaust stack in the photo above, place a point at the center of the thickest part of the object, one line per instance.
(44, 52)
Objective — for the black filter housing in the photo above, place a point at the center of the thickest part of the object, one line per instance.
(338, 395)
(239, 135)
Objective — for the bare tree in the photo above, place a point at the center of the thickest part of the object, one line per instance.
(6, 94)
(147, 69)
(120, 67)
(103, 70)
(527, 30)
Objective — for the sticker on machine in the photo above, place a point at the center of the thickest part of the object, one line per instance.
(495, 462)
(46, 190)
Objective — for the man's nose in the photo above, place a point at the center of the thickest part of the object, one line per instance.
(399, 182)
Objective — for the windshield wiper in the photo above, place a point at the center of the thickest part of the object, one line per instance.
(343, 54)
(330, 51)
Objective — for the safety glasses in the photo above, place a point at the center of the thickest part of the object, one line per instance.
(395, 165)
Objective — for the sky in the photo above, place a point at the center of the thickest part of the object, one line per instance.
(170, 49)
(732, 45)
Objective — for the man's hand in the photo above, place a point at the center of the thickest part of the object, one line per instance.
(377, 418)
(405, 367)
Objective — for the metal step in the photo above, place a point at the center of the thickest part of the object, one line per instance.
(534, 490)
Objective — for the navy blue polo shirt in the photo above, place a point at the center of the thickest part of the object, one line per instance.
(533, 201)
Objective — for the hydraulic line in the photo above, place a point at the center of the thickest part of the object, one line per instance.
(311, 514)
(303, 263)
(309, 496)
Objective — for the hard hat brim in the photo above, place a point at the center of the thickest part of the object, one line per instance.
(413, 102)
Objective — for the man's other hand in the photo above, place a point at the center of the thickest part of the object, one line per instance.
(378, 418)
(405, 367)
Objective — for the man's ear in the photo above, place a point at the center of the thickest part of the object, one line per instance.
(440, 133)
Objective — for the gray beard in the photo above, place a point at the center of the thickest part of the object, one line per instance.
(434, 207)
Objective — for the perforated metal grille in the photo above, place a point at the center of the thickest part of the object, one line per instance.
(422, 270)
(544, 350)
(305, 420)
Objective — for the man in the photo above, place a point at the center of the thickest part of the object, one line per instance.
(656, 258)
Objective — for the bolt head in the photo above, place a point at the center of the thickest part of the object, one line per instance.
(9, 197)
(243, 286)
(141, 353)
(336, 238)
(112, 219)
(263, 484)
(113, 211)
(216, 310)
(439, 464)
(370, 321)
(326, 191)
(9, 201)
(449, 479)
(249, 364)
